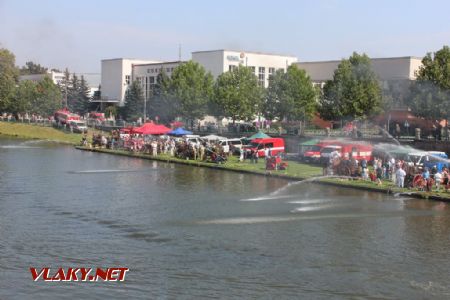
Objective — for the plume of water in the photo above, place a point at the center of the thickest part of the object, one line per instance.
(276, 194)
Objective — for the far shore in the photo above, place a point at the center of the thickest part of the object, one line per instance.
(295, 171)
(40, 132)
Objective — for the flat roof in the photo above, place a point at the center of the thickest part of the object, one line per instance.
(376, 58)
(161, 63)
(125, 58)
(252, 52)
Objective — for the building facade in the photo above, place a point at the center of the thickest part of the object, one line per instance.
(387, 69)
(116, 77)
(262, 64)
(56, 77)
(117, 74)
(395, 73)
(147, 74)
(92, 79)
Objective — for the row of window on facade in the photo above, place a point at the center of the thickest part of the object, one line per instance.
(147, 83)
(261, 72)
(159, 70)
(151, 80)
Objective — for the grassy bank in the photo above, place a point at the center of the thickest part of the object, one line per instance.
(295, 171)
(31, 131)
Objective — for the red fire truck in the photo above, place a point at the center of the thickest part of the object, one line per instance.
(64, 116)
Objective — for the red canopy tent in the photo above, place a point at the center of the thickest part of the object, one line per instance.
(151, 128)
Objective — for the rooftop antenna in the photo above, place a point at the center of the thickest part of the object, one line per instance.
(179, 52)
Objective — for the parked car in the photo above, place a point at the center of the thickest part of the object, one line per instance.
(231, 145)
(78, 126)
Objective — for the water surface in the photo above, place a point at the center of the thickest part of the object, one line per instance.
(191, 233)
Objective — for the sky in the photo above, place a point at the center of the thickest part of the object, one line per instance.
(79, 34)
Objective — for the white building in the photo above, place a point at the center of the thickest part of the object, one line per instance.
(147, 74)
(92, 79)
(387, 69)
(56, 77)
(116, 77)
(262, 64)
(117, 74)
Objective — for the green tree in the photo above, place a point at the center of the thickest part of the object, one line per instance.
(8, 78)
(191, 89)
(48, 98)
(290, 95)
(395, 94)
(237, 94)
(430, 94)
(64, 87)
(32, 68)
(25, 95)
(79, 95)
(73, 92)
(354, 91)
(161, 104)
(111, 111)
(134, 102)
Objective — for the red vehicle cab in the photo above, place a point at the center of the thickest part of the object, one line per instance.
(96, 117)
(276, 145)
(313, 154)
(64, 116)
(348, 150)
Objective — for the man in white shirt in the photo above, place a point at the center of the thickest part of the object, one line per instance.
(400, 177)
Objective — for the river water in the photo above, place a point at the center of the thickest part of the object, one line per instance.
(192, 233)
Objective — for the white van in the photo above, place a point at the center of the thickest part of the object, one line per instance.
(233, 145)
(193, 138)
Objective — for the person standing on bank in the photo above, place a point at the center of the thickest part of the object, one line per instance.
(400, 177)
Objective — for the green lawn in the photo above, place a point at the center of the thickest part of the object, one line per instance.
(295, 170)
(31, 131)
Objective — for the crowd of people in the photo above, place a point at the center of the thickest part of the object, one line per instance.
(403, 174)
(194, 149)
(409, 175)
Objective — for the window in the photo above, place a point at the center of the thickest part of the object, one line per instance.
(262, 76)
(231, 67)
(138, 79)
(167, 70)
(127, 79)
(152, 82)
(271, 71)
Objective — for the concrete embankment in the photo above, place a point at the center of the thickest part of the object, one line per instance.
(339, 182)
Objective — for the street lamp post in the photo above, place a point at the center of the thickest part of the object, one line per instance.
(145, 109)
